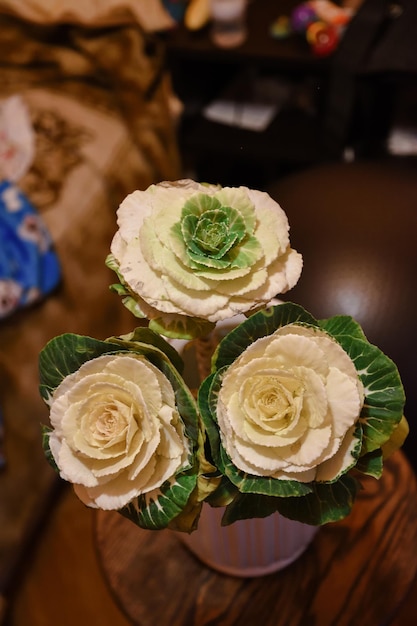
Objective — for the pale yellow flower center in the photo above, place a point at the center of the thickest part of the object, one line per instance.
(271, 401)
(107, 423)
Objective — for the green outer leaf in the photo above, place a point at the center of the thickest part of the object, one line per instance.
(147, 340)
(131, 300)
(112, 263)
(327, 503)
(224, 494)
(264, 485)
(46, 430)
(260, 324)
(207, 402)
(355, 450)
(248, 506)
(64, 355)
(157, 509)
(132, 305)
(385, 398)
(181, 326)
(341, 325)
(384, 393)
(397, 438)
(119, 289)
(371, 464)
(185, 402)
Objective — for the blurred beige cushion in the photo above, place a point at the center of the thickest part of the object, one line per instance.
(150, 14)
(99, 107)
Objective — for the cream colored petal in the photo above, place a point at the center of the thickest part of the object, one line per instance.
(293, 350)
(335, 354)
(266, 460)
(310, 447)
(282, 440)
(296, 473)
(204, 304)
(344, 401)
(113, 496)
(341, 461)
(143, 280)
(89, 368)
(255, 350)
(166, 468)
(130, 215)
(248, 280)
(224, 421)
(272, 223)
(240, 462)
(102, 436)
(143, 466)
(315, 401)
(143, 382)
(118, 247)
(168, 198)
(271, 400)
(72, 468)
(139, 450)
(282, 275)
(82, 493)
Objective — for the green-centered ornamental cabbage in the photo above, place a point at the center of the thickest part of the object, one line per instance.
(189, 255)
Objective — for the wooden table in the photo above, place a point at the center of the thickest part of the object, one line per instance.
(357, 571)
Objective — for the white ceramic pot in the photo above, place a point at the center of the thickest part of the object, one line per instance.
(251, 547)
(248, 548)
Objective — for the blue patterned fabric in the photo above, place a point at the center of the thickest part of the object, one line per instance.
(29, 267)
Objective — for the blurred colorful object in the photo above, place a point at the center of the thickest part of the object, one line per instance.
(197, 14)
(302, 16)
(321, 21)
(29, 268)
(322, 37)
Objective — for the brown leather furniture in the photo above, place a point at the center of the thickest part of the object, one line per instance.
(356, 226)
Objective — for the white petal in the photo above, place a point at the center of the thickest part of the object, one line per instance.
(341, 461)
(265, 460)
(296, 473)
(112, 498)
(293, 350)
(310, 447)
(344, 401)
(72, 468)
(272, 223)
(130, 215)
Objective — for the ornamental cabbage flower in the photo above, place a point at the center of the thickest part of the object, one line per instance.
(124, 427)
(189, 255)
(292, 407)
(287, 407)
